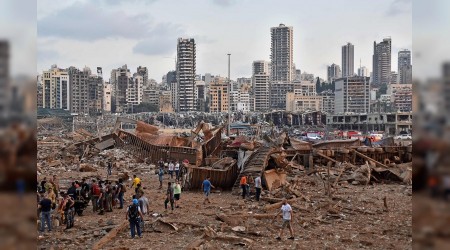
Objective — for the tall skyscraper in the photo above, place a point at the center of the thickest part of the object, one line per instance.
(186, 74)
(79, 90)
(333, 72)
(348, 60)
(119, 83)
(261, 92)
(282, 53)
(382, 62)
(57, 90)
(404, 67)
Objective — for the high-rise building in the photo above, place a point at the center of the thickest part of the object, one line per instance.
(282, 53)
(200, 96)
(382, 62)
(363, 71)
(404, 67)
(394, 77)
(107, 97)
(79, 81)
(333, 72)
(260, 67)
(57, 90)
(134, 91)
(352, 94)
(261, 91)
(348, 60)
(165, 102)
(39, 90)
(4, 76)
(218, 90)
(95, 94)
(186, 59)
(119, 82)
(143, 71)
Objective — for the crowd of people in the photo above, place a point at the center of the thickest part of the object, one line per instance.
(106, 195)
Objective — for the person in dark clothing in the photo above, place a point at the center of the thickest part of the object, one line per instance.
(134, 216)
(45, 205)
(69, 210)
(72, 191)
(169, 196)
(121, 191)
(109, 168)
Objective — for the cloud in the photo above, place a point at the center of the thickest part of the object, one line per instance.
(161, 40)
(399, 7)
(224, 3)
(91, 22)
(45, 55)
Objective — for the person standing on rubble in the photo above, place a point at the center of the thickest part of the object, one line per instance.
(160, 176)
(134, 215)
(121, 190)
(171, 167)
(108, 196)
(287, 218)
(176, 193)
(206, 186)
(95, 194)
(109, 168)
(135, 183)
(45, 205)
(169, 196)
(258, 187)
(177, 170)
(55, 184)
(244, 186)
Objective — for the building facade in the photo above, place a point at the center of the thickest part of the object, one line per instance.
(218, 90)
(107, 97)
(165, 102)
(281, 56)
(56, 88)
(79, 81)
(261, 92)
(327, 101)
(404, 67)
(352, 94)
(303, 103)
(363, 71)
(382, 62)
(278, 91)
(348, 60)
(186, 66)
(333, 72)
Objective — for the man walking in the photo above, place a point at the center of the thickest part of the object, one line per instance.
(244, 186)
(95, 193)
(287, 218)
(45, 205)
(134, 215)
(121, 190)
(169, 196)
(109, 168)
(171, 167)
(177, 170)
(135, 183)
(160, 176)
(206, 186)
(258, 187)
(176, 193)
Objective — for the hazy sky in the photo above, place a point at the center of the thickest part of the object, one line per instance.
(110, 33)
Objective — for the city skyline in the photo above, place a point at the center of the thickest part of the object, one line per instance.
(140, 37)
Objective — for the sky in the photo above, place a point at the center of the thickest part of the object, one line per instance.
(111, 33)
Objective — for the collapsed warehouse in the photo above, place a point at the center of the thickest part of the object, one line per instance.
(205, 153)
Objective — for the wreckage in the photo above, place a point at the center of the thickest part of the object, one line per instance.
(206, 152)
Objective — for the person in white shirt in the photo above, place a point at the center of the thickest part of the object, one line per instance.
(171, 166)
(258, 187)
(287, 218)
(177, 170)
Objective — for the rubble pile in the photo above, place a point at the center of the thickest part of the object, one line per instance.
(342, 196)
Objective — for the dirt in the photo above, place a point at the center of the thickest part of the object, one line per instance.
(354, 217)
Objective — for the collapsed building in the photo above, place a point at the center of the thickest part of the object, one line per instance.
(206, 151)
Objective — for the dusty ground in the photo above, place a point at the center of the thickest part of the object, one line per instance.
(354, 218)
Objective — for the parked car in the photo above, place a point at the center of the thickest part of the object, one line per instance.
(403, 137)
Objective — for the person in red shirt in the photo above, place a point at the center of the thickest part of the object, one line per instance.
(244, 186)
